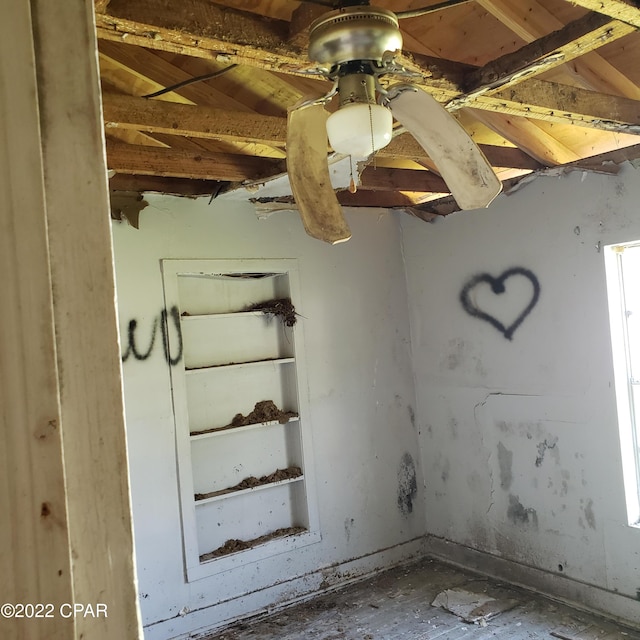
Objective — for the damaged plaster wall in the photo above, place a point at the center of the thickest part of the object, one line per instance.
(515, 384)
(354, 312)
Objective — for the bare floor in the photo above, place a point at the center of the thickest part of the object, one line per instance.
(397, 605)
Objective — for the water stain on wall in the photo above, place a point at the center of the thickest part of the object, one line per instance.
(412, 415)
(543, 447)
(589, 514)
(505, 462)
(519, 514)
(460, 356)
(446, 468)
(407, 484)
(348, 525)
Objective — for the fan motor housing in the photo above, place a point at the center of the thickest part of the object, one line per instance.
(353, 33)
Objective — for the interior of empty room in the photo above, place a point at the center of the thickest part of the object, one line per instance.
(329, 301)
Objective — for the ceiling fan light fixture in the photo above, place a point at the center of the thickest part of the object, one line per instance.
(360, 126)
(359, 129)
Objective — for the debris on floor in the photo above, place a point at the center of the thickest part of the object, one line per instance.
(396, 605)
(472, 607)
(583, 631)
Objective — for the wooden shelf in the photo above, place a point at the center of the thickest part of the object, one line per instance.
(220, 431)
(224, 494)
(236, 365)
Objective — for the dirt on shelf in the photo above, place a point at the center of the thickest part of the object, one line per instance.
(281, 307)
(277, 476)
(264, 411)
(233, 545)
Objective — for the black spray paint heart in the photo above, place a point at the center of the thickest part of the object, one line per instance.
(498, 287)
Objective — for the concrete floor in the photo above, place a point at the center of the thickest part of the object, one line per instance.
(396, 605)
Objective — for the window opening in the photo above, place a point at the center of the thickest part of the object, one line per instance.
(623, 282)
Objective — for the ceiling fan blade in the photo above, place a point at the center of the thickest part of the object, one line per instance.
(463, 166)
(308, 172)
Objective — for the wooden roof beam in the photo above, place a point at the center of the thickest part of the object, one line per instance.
(530, 20)
(129, 113)
(576, 39)
(200, 29)
(535, 99)
(156, 24)
(159, 116)
(623, 10)
(156, 161)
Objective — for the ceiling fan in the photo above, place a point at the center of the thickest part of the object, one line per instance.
(355, 46)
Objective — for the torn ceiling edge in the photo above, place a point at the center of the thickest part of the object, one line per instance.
(267, 202)
(126, 207)
(609, 163)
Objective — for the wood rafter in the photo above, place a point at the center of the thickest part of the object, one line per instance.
(157, 116)
(575, 40)
(235, 36)
(265, 47)
(591, 109)
(531, 20)
(125, 113)
(158, 161)
(623, 10)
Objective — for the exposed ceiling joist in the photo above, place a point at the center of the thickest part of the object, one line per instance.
(588, 108)
(158, 116)
(126, 158)
(576, 39)
(406, 146)
(623, 10)
(225, 135)
(383, 179)
(201, 29)
(532, 20)
(155, 116)
(249, 39)
(592, 109)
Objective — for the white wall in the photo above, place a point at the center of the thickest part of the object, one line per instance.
(355, 315)
(519, 437)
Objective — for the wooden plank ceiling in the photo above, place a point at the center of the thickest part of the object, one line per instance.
(537, 83)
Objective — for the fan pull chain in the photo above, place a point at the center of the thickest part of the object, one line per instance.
(353, 184)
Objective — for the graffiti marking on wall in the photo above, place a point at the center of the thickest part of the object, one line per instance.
(497, 284)
(164, 320)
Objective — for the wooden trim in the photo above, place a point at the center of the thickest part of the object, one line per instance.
(86, 328)
(35, 553)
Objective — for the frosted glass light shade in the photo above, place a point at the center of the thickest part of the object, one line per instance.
(359, 129)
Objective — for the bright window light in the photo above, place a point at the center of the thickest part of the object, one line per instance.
(623, 284)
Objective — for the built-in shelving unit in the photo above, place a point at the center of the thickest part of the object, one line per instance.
(240, 416)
